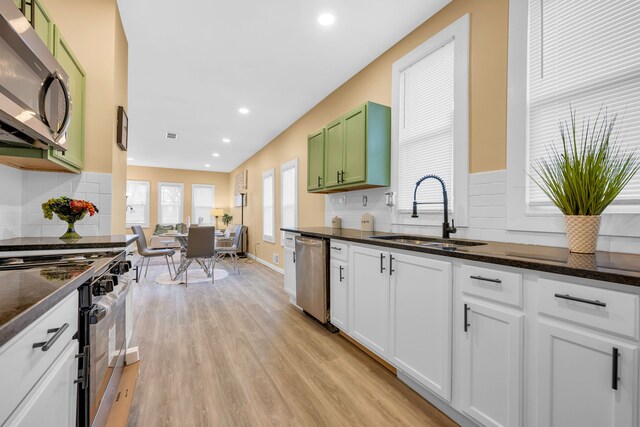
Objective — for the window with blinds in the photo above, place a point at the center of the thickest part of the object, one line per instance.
(583, 54)
(137, 203)
(202, 200)
(426, 134)
(268, 206)
(170, 201)
(289, 195)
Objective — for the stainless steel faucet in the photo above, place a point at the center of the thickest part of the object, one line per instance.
(446, 228)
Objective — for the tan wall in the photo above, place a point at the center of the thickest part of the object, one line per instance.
(488, 94)
(186, 177)
(94, 31)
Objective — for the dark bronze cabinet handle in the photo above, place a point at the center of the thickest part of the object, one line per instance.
(382, 268)
(294, 257)
(466, 317)
(614, 368)
(391, 270)
(336, 248)
(46, 345)
(486, 279)
(342, 177)
(341, 276)
(586, 301)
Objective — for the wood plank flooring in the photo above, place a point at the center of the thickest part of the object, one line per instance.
(236, 353)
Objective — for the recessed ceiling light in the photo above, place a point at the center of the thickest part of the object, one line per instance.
(243, 110)
(130, 159)
(326, 19)
(207, 165)
(226, 140)
(216, 155)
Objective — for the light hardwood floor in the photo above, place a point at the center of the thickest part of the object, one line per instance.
(236, 353)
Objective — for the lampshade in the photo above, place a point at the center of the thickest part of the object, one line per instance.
(217, 212)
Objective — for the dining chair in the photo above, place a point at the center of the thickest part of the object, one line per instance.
(147, 253)
(223, 242)
(233, 249)
(201, 247)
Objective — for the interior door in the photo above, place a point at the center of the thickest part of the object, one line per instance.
(334, 154)
(315, 161)
(355, 146)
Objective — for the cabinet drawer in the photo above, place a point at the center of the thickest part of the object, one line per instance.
(339, 250)
(289, 240)
(603, 309)
(22, 365)
(495, 285)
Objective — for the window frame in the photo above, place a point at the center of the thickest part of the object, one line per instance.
(269, 173)
(519, 215)
(458, 31)
(181, 210)
(193, 201)
(291, 164)
(147, 209)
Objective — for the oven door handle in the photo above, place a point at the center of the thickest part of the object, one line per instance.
(97, 314)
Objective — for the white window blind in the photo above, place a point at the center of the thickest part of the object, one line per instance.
(138, 203)
(289, 196)
(170, 201)
(268, 208)
(426, 119)
(585, 54)
(202, 201)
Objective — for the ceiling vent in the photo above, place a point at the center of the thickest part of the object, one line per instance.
(171, 135)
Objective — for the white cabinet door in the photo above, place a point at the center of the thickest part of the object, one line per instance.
(369, 298)
(492, 364)
(290, 272)
(577, 379)
(52, 401)
(339, 295)
(421, 292)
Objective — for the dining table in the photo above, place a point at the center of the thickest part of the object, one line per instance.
(183, 241)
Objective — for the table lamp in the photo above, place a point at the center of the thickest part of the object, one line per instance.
(217, 212)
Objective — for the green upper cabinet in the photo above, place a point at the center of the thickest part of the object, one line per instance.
(357, 150)
(74, 155)
(315, 159)
(18, 3)
(43, 24)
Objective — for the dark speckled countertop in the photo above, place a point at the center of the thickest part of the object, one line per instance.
(54, 243)
(606, 266)
(25, 295)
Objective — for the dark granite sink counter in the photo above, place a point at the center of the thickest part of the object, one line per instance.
(53, 243)
(606, 266)
(27, 294)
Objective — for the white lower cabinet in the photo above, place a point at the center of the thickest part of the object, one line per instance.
(421, 291)
(578, 376)
(52, 401)
(491, 368)
(339, 295)
(369, 298)
(290, 272)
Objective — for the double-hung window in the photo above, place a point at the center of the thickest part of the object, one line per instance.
(289, 196)
(268, 206)
(138, 203)
(431, 123)
(170, 203)
(203, 198)
(583, 55)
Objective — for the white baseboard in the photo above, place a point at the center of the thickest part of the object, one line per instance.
(265, 263)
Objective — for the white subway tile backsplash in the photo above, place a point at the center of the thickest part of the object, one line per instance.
(88, 187)
(105, 183)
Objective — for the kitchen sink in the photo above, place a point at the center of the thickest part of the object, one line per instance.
(431, 242)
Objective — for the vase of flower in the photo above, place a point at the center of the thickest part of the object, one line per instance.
(70, 211)
(583, 175)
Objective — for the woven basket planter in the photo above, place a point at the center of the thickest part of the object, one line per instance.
(582, 233)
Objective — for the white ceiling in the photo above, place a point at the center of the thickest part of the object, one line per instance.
(193, 63)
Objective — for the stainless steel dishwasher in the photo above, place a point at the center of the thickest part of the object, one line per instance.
(312, 278)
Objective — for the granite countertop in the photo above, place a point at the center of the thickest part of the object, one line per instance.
(54, 243)
(27, 294)
(606, 266)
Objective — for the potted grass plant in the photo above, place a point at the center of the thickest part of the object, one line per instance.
(584, 175)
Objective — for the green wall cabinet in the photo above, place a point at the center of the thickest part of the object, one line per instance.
(315, 161)
(71, 160)
(357, 150)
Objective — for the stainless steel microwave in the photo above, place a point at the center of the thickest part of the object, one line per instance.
(35, 103)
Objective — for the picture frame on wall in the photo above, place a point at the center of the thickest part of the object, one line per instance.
(122, 138)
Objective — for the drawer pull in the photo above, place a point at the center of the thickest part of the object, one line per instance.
(486, 279)
(294, 257)
(46, 345)
(586, 301)
(466, 317)
(289, 238)
(341, 276)
(336, 248)
(382, 267)
(614, 368)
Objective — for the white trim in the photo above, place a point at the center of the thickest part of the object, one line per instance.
(147, 208)
(519, 216)
(272, 173)
(458, 31)
(285, 166)
(193, 206)
(181, 211)
(265, 263)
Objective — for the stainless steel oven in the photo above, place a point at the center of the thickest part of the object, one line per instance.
(35, 103)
